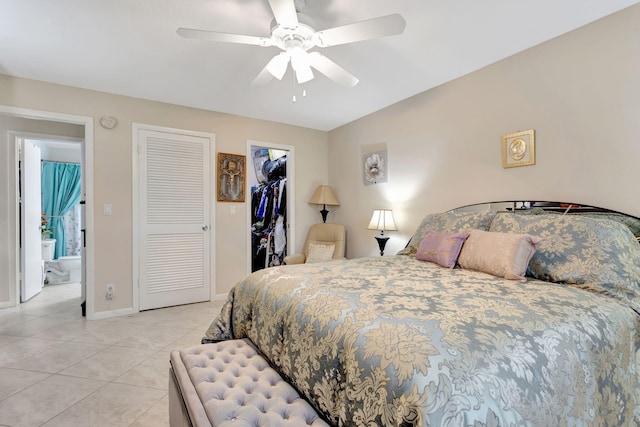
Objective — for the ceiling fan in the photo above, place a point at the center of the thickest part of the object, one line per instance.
(293, 32)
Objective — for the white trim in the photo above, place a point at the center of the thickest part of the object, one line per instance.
(291, 193)
(16, 137)
(113, 313)
(87, 122)
(47, 137)
(220, 297)
(135, 213)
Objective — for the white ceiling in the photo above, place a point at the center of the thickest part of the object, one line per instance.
(130, 47)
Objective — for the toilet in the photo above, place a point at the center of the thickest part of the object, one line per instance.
(65, 269)
(48, 246)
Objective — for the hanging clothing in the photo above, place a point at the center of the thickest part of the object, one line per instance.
(269, 218)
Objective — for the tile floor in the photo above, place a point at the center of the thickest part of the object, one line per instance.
(58, 369)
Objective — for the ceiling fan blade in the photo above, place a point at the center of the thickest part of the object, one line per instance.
(285, 12)
(383, 26)
(263, 78)
(332, 70)
(223, 37)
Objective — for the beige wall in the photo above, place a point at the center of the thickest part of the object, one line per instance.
(581, 94)
(113, 174)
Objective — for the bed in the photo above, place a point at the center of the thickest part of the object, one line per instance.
(540, 329)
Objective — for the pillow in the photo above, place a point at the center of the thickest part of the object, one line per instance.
(600, 253)
(448, 222)
(501, 254)
(320, 252)
(441, 248)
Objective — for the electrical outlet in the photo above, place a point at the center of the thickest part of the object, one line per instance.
(110, 289)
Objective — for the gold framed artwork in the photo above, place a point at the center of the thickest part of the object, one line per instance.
(231, 177)
(519, 149)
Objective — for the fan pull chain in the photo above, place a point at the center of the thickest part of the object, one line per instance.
(293, 85)
(293, 88)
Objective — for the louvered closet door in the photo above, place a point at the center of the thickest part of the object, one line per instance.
(175, 230)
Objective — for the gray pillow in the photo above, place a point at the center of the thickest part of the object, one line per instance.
(600, 254)
(448, 222)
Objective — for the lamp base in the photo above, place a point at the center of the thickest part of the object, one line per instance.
(324, 213)
(382, 242)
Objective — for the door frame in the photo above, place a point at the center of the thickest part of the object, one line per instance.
(20, 136)
(135, 178)
(291, 192)
(87, 190)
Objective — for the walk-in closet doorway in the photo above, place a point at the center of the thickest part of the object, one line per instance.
(270, 204)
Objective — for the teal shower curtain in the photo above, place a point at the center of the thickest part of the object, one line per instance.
(60, 192)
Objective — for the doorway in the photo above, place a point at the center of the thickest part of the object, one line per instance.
(270, 204)
(27, 123)
(51, 223)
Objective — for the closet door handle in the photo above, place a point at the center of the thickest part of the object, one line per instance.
(205, 227)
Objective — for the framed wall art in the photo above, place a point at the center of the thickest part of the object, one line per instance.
(375, 166)
(519, 149)
(231, 177)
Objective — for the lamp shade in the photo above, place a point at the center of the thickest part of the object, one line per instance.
(382, 219)
(324, 196)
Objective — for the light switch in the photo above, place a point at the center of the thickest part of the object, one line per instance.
(232, 209)
(107, 209)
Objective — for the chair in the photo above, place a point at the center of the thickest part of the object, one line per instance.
(322, 233)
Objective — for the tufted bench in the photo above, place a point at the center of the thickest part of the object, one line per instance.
(230, 384)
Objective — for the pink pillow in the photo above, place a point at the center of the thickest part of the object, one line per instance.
(501, 254)
(441, 248)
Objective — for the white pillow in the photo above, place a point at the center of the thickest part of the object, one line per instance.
(320, 252)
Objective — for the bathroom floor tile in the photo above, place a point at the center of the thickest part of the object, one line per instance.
(112, 406)
(40, 402)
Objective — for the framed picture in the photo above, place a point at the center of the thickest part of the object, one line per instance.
(375, 167)
(231, 177)
(519, 149)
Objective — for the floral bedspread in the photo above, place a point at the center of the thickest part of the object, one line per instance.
(393, 341)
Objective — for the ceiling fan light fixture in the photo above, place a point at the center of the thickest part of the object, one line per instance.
(278, 65)
(303, 75)
(301, 64)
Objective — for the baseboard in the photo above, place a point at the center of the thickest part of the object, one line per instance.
(220, 297)
(113, 313)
